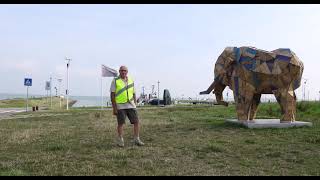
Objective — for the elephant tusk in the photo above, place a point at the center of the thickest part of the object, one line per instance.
(204, 92)
(211, 87)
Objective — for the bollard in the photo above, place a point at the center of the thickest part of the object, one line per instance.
(33, 108)
(37, 108)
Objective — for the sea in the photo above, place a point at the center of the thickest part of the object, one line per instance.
(96, 101)
(82, 101)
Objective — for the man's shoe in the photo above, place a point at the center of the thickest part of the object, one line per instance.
(120, 142)
(138, 142)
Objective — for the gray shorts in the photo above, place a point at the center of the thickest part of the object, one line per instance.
(131, 113)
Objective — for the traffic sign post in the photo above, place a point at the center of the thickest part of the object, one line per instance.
(27, 82)
(27, 98)
(67, 90)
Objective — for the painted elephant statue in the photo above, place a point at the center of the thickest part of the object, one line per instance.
(250, 72)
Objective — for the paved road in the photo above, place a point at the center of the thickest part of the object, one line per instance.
(9, 111)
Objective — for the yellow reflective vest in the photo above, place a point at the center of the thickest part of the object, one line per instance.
(123, 92)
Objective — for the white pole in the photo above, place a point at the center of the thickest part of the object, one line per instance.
(60, 91)
(67, 92)
(304, 91)
(158, 94)
(50, 92)
(101, 96)
(67, 86)
(27, 98)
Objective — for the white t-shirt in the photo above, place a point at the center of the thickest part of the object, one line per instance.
(128, 105)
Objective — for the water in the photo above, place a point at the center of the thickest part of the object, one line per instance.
(12, 96)
(82, 101)
(89, 101)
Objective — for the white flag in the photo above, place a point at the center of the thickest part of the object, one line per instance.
(108, 72)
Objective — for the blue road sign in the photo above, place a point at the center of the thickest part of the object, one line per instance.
(27, 82)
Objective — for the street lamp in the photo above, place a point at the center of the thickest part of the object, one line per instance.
(143, 91)
(60, 91)
(56, 90)
(67, 91)
(227, 95)
(59, 80)
(158, 94)
(50, 91)
(304, 89)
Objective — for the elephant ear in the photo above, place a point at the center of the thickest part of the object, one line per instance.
(231, 55)
(223, 67)
(227, 57)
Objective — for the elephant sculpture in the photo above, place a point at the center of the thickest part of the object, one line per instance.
(250, 72)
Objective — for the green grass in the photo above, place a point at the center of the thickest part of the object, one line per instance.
(12, 103)
(184, 140)
(40, 102)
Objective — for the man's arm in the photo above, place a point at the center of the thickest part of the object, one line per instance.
(114, 105)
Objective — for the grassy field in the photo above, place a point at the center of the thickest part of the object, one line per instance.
(192, 140)
(40, 102)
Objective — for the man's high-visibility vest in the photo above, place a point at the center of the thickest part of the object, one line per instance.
(124, 93)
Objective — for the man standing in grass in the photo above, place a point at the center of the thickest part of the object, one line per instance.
(124, 104)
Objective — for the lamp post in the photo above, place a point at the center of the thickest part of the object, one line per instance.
(56, 90)
(60, 91)
(59, 80)
(67, 91)
(158, 94)
(143, 91)
(143, 96)
(227, 95)
(50, 91)
(304, 89)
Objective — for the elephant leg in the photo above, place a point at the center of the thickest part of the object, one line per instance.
(287, 101)
(244, 106)
(243, 95)
(254, 106)
(278, 98)
(290, 111)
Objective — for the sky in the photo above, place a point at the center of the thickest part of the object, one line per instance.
(176, 45)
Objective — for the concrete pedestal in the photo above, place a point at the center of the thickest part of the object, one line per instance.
(269, 123)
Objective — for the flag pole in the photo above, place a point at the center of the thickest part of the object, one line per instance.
(106, 72)
(101, 95)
